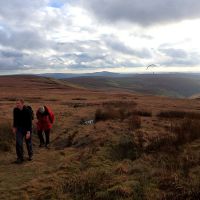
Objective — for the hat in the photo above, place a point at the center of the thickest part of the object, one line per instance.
(41, 109)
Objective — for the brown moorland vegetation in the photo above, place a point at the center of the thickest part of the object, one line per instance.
(130, 150)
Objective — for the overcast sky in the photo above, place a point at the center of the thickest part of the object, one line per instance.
(77, 36)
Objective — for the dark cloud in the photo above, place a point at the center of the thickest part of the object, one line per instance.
(144, 12)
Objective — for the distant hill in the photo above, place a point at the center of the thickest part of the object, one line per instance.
(16, 83)
(173, 85)
(71, 75)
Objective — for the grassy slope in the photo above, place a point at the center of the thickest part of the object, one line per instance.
(156, 84)
(92, 161)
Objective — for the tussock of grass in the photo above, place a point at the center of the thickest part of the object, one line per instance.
(125, 148)
(171, 114)
(97, 184)
(175, 188)
(120, 104)
(143, 113)
(88, 185)
(160, 143)
(115, 110)
(112, 112)
(183, 131)
(134, 122)
(109, 113)
(79, 99)
(178, 114)
(139, 192)
(6, 137)
(186, 130)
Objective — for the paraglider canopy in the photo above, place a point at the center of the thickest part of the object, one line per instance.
(151, 65)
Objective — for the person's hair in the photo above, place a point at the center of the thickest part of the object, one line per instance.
(41, 109)
(21, 100)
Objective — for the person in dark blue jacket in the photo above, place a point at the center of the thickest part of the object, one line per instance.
(22, 128)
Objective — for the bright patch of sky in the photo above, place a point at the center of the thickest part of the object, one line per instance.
(56, 4)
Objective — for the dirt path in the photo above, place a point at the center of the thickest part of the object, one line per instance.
(13, 177)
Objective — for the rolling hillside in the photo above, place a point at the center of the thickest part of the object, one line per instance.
(173, 85)
(135, 146)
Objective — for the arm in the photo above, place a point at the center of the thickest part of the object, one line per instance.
(29, 124)
(28, 118)
(14, 120)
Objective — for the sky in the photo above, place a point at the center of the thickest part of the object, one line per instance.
(79, 36)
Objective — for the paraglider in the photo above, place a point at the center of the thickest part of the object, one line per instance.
(151, 65)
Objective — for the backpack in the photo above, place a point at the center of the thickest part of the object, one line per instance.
(50, 113)
(29, 108)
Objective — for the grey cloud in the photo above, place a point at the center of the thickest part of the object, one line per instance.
(142, 36)
(182, 58)
(175, 53)
(117, 45)
(144, 12)
(78, 46)
(11, 53)
(23, 29)
(12, 60)
(98, 53)
(7, 64)
(17, 10)
(100, 62)
(87, 57)
(180, 62)
(23, 39)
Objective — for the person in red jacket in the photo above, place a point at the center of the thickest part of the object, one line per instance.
(45, 121)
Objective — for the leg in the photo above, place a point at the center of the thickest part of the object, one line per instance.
(19, 144)
(47, 135)
(29, 147)
(40, 135)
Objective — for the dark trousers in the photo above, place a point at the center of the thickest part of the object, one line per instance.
(47, 136)
(20, 134)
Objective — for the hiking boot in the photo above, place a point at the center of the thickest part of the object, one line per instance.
(30, 158)
(41, 145)
(19, 161)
